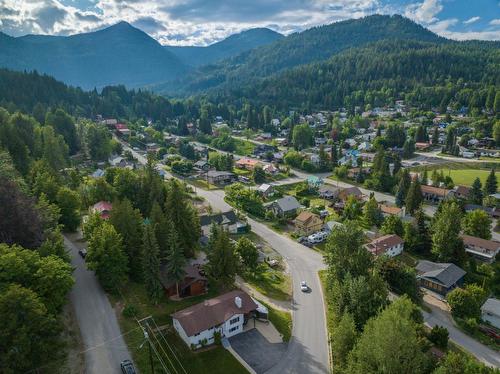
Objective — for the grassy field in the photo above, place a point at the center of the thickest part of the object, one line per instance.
(243, 147)
(281, 320)
(465, 176)
(214, 361)
(274, 284)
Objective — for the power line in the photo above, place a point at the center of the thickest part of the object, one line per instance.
(161, 347)
(169, 347)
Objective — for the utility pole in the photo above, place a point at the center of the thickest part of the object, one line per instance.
(146, 335)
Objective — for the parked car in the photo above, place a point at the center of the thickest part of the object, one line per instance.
(127, 367)
(491, 332)
(317, 237)
(303, 286)
(82, 252)
(243, 179)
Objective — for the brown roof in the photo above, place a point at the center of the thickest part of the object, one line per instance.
(389, 209)
(489, 245)
(382, 244)
(462, 190)
(192, 274)
(434, 190)
(305, 216)
(213, 312)
(247, 162)
(355, 191)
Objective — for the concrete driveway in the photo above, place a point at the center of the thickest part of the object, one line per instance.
(257, 352)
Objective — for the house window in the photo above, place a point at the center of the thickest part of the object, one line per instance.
(233, 329)
(197, 334)
(234, 320)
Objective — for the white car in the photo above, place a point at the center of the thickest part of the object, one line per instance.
(303, 286)
(317, 237)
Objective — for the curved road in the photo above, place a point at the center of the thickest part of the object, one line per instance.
(308, 349)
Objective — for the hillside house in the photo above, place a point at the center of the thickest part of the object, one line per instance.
(221, 177)
(225, 314)
(350, 191)
(389, 245)
(439, 277)
(307, 223)
(482, 249)
(389, 210)
(490, 312)
(461, 192)
(285, 207)
(103, 208)
(193, 283)
(328, 192)
(435, 194)
(247, 163)
(227, 220)
(266, 190)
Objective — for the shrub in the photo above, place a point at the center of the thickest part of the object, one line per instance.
(130, 311)
(439, 336)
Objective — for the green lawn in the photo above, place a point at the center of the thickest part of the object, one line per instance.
(243, 147)
(464, 176)
(281, 320)
(216, 360)
(272, 283)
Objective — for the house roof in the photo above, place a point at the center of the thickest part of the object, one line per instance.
(265, 187)
(446, 274)
(489, 245)
(390, 209)
(351, 191)
(247, 162)
(288, 203)
(225, 218)
(215, 173)
(192, 274)
(434, 190)
(213, 312)
(462, 190)
(304, 217)
(492, 306)
(384, 243)
(102, 206)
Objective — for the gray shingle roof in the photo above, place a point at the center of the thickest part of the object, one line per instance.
(446, 274)
(288, 203)
(228, 217)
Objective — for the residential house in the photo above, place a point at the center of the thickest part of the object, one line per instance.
(328, 192)
(227, 220)
(225, 314)
(350, 191)
(281, 141)
(193, 283)
(421, 146)
(331, 225)
(97, 174)
(389, 245)
(152, 147)
(354, 172)
(261, 149)
(435, 194)
(285, 207)
(307, 223)
(270, 169)
(201, 165)
(314, 181)
(388, 210)
(103, 208)
(319, 141)
(118, 162)
(490, 312)
(461, 192)
(221, 177)
(492, 212)
(439, 277)
(247, 163)
(122, 130)
(482, 249)
(266, 190)
(365, 146)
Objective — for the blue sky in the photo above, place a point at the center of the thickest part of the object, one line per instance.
(202, 22)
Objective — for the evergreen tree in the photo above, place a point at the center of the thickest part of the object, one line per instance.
(259, 175)
(160, 226)
(408, 148)
(183, 215)
(334, 156)
(392, 225)
(175, 257)
(447, 245)
(343, 338)
(128, 222)
(106, 257)
(425, 177)
(403, 186)
(435, 136)
(151, 265)
(477, 223)
(423, 239)
(372, 216)
(222, 260)
(490, 187)
(476, 192)
(414, 197)
(248, 253)
(69, 203)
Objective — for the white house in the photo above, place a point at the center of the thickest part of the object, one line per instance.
(389, 245)
(225, 314)
(227, 220)
(490, 312)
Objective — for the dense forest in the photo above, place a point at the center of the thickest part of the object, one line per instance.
(424, 74)
(313, 45)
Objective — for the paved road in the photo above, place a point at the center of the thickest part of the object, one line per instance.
(104, 346)
(442, 317)
(308, 349)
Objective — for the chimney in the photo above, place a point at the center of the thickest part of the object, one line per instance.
(237, 301)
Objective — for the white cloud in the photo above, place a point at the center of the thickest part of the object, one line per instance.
(472, 20)
(495, 22)
(424, 12)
